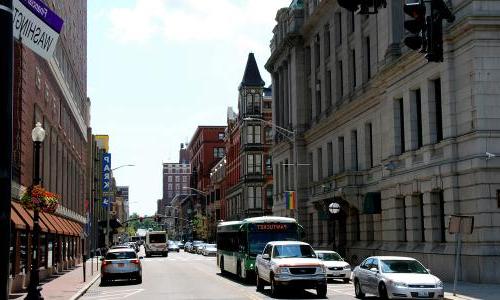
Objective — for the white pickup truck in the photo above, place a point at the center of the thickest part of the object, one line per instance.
(290, 264)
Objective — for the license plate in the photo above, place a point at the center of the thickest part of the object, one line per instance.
(423, 294)
(121, 265)
(335, 273)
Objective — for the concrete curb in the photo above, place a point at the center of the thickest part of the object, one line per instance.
(85, 288)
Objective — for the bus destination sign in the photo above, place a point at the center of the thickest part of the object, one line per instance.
(271, 227)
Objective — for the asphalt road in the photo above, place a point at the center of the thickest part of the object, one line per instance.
(190, 276)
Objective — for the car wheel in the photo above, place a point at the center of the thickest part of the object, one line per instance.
(148, 254)
(139, 279)
(321, 291)
(346, 280)
(258, 282)
(382, 291)
(178, 250)
(357, 290)
(275, 290)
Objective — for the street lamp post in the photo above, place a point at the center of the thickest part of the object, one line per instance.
(108, 207)
(206, 201)
(38, 135)
(292, 137)
(334, 209)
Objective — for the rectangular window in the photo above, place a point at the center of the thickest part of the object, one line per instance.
(421, 217)
(353, 22)
(353, 68)
(439, 110)
(327, 40)
(221, 136)
(218, 152)
(329, 88)
(254, 164)
(400, 126)
(318, 98)
(319, 152)
(340, 81)
(253, 134)
(329, 153)
(402, 206)
(338, 29)
(269, 165)
(369, 145)
(368, 62)
(307, 59)
(341, 154)
(317, 51)
(418, 108)
(354, 150)
(442, 226)
(269, 134)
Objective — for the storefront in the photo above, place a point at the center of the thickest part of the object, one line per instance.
(59, 246)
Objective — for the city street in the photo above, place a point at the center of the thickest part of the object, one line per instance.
(190, 276)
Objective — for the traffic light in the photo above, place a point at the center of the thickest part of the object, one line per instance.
(141, 219)
(439, 11)
(363, 6)
(417, 40)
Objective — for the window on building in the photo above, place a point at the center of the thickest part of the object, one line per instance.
(367, 63)
(354, 150)
(221, 136)
(353, 68)
(341, 154)
(269, 165)
(268, 104)
(438, 127)
(340, 81)
(352, 22)
(253, 134)
(369, 145)
(254, 197)
(327, 40)
(170, 186)
(418, 110)
(329, 158)
(318, 98)
(338, 29)
(421, 224)
(177, 179)
(329, 88)
(399, 126)
(401, 207)
(269, 197)
(254, 164)
(317, 51)
(184, 178)
(307, 59)
(218, 152)
(253, 103)
(319, 153)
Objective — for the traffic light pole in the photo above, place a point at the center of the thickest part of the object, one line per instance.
(6, 94)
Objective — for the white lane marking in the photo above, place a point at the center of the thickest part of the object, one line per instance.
(108, 295)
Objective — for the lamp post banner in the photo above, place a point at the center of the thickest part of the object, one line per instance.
(106, 172)
(36, 26)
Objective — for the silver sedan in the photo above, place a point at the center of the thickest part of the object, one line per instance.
(396, 277)
(121, 264)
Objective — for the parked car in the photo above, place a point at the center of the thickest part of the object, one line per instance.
(134, 246)
(180, 244)
(198, 248)
(172, 246)
(336, 267)
(188, 246)
(209, 250)
(121, 263)
(194, 248)
(290, 264)
(396, 277)
(156, 243)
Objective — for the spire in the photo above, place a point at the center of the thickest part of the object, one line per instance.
(252, 74)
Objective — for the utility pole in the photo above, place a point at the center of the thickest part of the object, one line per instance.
(6, 94)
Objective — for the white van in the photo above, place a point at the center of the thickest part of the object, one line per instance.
(156, 243)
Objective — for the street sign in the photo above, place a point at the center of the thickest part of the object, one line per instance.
(334, 207)
(105, 202)
(461, 224)
(36, 26)
(106, 172)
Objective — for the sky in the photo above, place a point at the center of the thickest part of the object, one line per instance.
(159, 68)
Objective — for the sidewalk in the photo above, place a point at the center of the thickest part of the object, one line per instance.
(70, 285)
(472, 291)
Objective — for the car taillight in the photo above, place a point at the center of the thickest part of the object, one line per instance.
(135, 261)
(104, 263)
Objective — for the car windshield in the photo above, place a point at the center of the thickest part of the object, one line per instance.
(287, 251)
(402, 266)
(330, 256)
(210, 245)
(121, 255)
(258, 240)
(157, 238)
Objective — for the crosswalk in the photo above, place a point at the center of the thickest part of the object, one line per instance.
(99, 294)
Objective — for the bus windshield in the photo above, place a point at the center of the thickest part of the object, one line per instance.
(258, 240)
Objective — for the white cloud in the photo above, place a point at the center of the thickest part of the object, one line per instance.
(193, 20)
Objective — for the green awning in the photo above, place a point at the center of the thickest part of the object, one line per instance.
(372, 203)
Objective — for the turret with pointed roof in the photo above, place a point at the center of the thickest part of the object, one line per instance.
(251, 77)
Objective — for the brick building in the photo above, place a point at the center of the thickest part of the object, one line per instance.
(398, 142)
(52, 92)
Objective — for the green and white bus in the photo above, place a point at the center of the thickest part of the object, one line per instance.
(239, 242)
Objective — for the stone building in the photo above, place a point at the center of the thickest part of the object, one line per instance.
(398, 142)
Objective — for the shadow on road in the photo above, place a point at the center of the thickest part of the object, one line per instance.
(292, 294)
(236, 279)
(119, 283)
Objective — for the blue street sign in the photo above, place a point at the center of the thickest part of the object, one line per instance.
(105, 202)
(106, 172)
